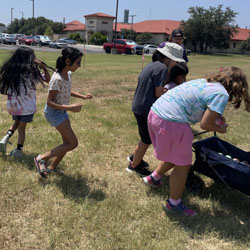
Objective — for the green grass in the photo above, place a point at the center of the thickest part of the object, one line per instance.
(97, 204)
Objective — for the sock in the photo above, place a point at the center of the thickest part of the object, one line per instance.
(156, 176)
(10, 132)
(174, 202)
(19, 146)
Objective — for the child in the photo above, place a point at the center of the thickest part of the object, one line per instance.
(177, 76)
(19, 76)
(201, 100)
(150, 86)
(56, 109)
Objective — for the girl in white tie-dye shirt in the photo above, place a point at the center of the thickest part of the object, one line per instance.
(19, 76)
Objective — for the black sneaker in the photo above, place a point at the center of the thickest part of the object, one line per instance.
(140, 170)
(143, 163)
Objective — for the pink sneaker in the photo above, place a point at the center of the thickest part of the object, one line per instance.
(180, 208)
(150, 181)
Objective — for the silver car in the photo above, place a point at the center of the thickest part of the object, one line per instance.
(149, 48)
(8, 39)
(58, 44)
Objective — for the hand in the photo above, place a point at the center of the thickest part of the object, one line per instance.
(40, 63)
(87, 96)
(75, 107)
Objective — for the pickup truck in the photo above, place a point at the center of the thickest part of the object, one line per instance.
(122, 46)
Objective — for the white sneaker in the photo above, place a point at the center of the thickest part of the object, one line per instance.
(3, 143)
(17, 153)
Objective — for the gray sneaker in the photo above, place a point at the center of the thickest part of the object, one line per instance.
(17, 153)
(3, 143)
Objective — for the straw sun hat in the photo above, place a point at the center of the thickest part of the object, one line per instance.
(173, 51)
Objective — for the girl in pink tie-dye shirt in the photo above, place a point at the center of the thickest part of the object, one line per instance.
(19, 76)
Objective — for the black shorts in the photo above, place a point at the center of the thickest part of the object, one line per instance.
(142, 122)
(23, 118)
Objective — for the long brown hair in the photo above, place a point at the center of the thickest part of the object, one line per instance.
(235, 82)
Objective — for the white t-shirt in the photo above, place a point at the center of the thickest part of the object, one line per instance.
(57, 82)
(25, 103)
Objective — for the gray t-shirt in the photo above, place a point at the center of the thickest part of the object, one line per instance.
(152, 76)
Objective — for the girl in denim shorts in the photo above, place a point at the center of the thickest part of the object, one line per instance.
(56, 110)
(19, 76)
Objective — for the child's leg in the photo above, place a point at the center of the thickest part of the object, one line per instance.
(21, 132)
(139, 153)
(69, 143)
(178, 180)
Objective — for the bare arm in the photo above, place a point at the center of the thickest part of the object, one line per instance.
(159, 91)
(44, 68)
(208, 122)
(78, 95)
(72, 107)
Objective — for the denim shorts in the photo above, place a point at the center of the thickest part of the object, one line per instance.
(23, 118)
(55, 117)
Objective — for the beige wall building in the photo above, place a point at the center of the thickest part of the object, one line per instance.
(99, 22)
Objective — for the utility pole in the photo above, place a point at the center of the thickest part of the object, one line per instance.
(11, 15)
(21, 12)
(33, 12)
(132, 24)
(116, 14)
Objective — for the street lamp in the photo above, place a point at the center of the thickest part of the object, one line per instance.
(11, 14)
(21, 12)
(116, 14)
(33, 11)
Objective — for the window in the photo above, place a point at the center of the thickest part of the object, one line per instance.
(104, 22)
(91, 22)
(234, 45)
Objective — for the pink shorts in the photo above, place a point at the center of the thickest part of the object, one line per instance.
(172, 141)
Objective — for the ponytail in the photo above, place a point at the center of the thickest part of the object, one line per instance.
(67, 53)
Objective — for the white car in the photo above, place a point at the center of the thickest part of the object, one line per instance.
(149, 48)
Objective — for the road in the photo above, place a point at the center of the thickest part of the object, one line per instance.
(89, 48)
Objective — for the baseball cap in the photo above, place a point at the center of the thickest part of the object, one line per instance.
(177, 33)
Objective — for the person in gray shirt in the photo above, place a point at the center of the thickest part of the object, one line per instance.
(150, 86)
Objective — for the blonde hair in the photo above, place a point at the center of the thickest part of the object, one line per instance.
(235, 82)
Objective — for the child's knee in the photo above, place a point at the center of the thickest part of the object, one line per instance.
(73, 144)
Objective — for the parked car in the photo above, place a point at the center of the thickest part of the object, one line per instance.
(121, 45)
(58, 44)
(8, 39)
(42, 40)
(138, 49)
(149, 48)
(68, 40)
(28, 40)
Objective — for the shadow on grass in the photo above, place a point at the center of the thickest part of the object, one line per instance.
(229, 216)
(74, 187)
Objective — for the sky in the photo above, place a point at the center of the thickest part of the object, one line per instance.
(70, 10)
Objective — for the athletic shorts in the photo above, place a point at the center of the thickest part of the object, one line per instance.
(23, 118)
(142, 122)
(55, 117)
(172, 141)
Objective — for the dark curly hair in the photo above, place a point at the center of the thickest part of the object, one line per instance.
(16, 69)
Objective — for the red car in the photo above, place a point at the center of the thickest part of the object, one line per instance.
(28, 40)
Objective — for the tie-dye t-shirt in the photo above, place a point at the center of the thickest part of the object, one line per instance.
(57, 82)
(25, 103)
(188, 102)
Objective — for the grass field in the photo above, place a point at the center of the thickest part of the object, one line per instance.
(97, 204)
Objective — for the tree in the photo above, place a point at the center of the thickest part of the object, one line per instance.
(143, 38)
(245, 45)
(128, 34)
(48, 31)
(211, 27)
(25, 26)
(76, 36)
(98, 39)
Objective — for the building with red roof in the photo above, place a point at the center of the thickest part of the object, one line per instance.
(159, 29)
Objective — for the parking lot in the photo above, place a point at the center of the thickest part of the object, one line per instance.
(88, 48)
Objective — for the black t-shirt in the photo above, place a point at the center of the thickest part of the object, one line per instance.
(153, 75)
